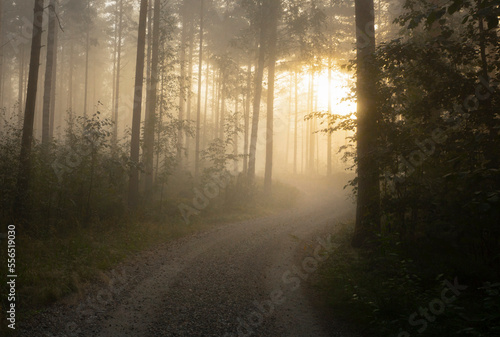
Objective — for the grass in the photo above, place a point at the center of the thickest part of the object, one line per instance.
(377, 291)
(58, 261)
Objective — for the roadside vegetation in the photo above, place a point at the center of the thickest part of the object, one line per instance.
(399, 288)
(79, 227)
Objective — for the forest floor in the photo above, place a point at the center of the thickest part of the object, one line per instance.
(248, 278)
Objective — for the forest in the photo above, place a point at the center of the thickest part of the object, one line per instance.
(126, 125)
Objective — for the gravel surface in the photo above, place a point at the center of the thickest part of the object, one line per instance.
(242, 279)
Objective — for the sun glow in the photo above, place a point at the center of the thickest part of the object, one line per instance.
(339, 93)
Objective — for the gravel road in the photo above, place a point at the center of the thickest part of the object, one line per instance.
(241, 279)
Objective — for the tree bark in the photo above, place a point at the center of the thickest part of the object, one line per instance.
(222, 103)
(133, 193)
(182, 85)
(190, 87)
(329, 144)
(23, 180)
(149, 124)
(70, 76)
(311, 134)
(53, 89)
(20, 96)
(207, 81)
(247, 115)
(87, 51)
(49, 72)
(259, 74)
(1, 54)
(198, 108)
(273, 32)
(296, 121)
(118, 72)
(368, 198)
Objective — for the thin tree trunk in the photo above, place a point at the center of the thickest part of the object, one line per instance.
(115, 48)
(23, 180)
(21, 86)
(259, 74)
(190, 89)
(133, 193)
(311, 127)
(49, 72)
(217, 105)
(53, 89)
(222, 104)
(270, 96)
(289, 121)
(308, 129)
(368, 197)
(182, 85)
(329, 141)
(207, 81)
(118, 72)
(87, 51)
(70, 77)
(150, 43)
(235, 135)
(247, 114)
(198, 108)
(160, 123)
(295, 136)
(149, 124)
(1, 54)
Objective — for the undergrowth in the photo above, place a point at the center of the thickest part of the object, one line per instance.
(396, 290)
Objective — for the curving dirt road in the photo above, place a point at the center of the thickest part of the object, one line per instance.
(240, 279)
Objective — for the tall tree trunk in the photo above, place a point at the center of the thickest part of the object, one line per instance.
(190, 88)
(207, 81)
(149, 124)
(296, 121)
(214, 101)
(247, 114)
(133, 193)
(222, 103)
(273, 32)
(49, 72)
(23, 180)
(118, 72)
(235, 135)
(1, 54)
(217, 103)
(70, 76)
(182, 84)
(198, 108)
(87, 51)
(115, 48)
(289, 120)
(53, 89)
(159, 127)
(149, 44)
(368, 198)
(259, 74)
(311, 134)
(20, 97)
(329, 141)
